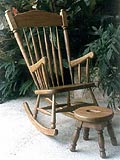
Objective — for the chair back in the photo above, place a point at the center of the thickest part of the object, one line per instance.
(43, 40)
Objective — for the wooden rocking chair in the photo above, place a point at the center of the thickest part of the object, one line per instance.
(39, 35)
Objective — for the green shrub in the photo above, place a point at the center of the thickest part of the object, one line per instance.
(16, 79)
(107, 60)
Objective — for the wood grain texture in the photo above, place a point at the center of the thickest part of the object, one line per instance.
(38, 18)
(93, 114)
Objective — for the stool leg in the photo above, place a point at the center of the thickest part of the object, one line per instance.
(101, 143)
(86, 134)
(111, 134)
(75, 138)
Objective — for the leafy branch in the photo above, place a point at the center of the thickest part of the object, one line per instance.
(107, 58)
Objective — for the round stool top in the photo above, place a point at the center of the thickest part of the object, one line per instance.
(93, 114)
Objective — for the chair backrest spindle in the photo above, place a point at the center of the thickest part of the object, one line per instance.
(28, 46)
(60, 56)
(54, 57)
(40, 44)
(34, 45)
(48, 56)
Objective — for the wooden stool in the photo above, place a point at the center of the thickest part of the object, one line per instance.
(94, 117)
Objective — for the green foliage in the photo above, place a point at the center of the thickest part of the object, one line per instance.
(15, 71)
(15, 79)
(21, 5)
(107, 59)
(80, 18)
(82, 15)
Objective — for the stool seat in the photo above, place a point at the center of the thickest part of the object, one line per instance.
(94, 117)
(93, 114)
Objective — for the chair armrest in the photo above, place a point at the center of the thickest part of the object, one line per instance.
(81, 59)
(35, 66)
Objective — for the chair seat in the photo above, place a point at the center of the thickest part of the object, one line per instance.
(94, 114)
(65, 88)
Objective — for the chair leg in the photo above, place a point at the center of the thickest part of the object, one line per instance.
(93, 97)
(101, 143)
(36, 106)
(86, 134)
(53, 117)
(75, 138)
(111, 134)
